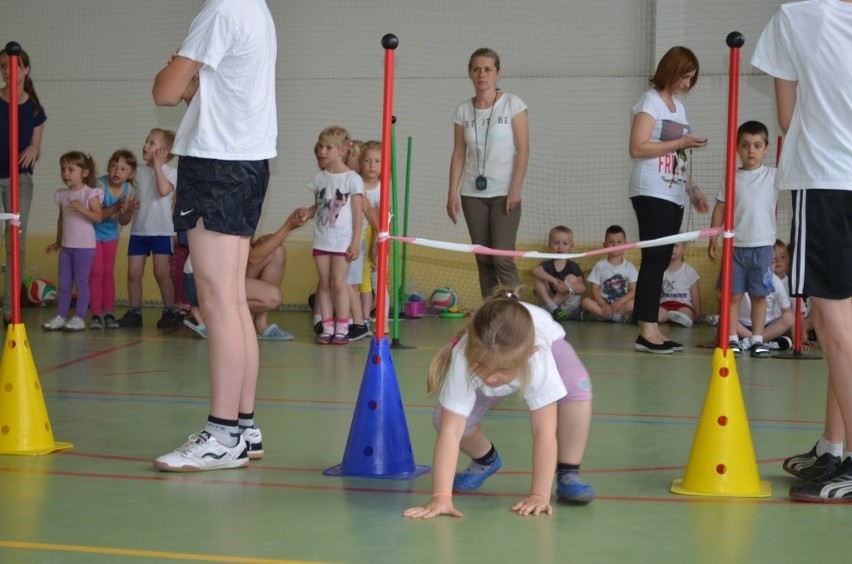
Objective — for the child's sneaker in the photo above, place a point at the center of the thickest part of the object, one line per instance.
(254, 442)
(168, 320)
(96, 323)
(782, 343)
(810, 467)
(358, 332)
(110, 322)
(130, 319)
(837, 488)
(475, 475)
(203, 452)
(679, 318)
(55, 324)
(572, 489)
(559, 315)
(734, 347)
(76, 323)
(199, 329)
(759, 350)
(340, 339)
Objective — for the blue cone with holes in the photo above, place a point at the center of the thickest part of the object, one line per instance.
(379, 445)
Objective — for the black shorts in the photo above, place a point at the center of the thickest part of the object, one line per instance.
(821, 263)
(226, 195)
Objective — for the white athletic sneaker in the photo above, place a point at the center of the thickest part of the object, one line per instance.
(55, 324)
(254, 442)
(203, 452)
(679, 318)
(76, 323)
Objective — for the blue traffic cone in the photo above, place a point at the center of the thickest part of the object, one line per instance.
(378, 444)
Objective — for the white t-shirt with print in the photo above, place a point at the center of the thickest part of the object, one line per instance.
(665, 176)
(677, 285)
(458, 393)
(614, 279)
(333, 220)
(154, 216)
(490, 144)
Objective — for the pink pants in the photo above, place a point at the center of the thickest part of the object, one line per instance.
(102, 278)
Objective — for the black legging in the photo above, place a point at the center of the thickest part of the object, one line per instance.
(656, 218)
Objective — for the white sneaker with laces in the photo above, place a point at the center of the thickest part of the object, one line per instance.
(203, 452)
(254, 442)
(76, 323)
(55, 324)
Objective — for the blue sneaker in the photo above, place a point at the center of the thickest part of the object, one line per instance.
(572, 489)
(475, 475)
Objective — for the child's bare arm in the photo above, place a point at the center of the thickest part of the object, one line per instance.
(695, 294)
(58, 242)
(164, 187)
(543, 422)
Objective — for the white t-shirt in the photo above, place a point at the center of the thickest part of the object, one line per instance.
(662, 177)
(614, 279)
(458, 393)
(677, 285)
(810, 42)
(371, 197)
(233, 116)
(754, 209)
(776, 303)
(496, 158)
(333, 220)
(154, 216)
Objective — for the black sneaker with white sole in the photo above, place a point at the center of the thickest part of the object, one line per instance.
(837, 488)
(810, 467)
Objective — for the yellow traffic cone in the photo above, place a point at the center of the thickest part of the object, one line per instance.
(24, 424)
(722, 461)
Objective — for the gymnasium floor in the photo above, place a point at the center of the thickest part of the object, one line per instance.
(124, 397)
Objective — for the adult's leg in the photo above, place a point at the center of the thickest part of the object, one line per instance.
(219, 265)
(477, 213)
(656, 218)
(504, 233)
(831, 319)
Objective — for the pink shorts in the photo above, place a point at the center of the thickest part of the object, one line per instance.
(574, 375)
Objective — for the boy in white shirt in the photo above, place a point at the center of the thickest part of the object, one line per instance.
(754, 226)
(612, 281)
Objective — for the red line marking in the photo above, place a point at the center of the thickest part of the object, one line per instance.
(90, 356)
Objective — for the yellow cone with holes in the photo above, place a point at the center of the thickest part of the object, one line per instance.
(722, 461)
(24, 425)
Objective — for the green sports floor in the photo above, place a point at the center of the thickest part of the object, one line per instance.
(123, 397)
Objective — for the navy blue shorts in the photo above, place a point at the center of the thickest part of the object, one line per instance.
(144, 245)
(226, 195)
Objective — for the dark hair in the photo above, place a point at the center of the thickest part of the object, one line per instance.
(29, 87)
(753, 128)
(484, 52)
(675, 64)
(615, 229)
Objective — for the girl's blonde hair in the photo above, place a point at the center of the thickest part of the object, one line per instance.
(85, 162)
(169, 138)
(501, 336)
(337, 136)
(353, 152)
(129, 158)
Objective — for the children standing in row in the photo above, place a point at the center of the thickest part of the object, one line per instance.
(338, 194)
(613, 286)
(118, 187)
(152, 229)
(79, 210)
(559, 283)
(754, 225)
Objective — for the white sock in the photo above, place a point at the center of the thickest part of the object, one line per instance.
(755, 339)
(734, 339)
(825, 446)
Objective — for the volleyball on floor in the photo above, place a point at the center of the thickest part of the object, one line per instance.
(41, 292)
(443, 299)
